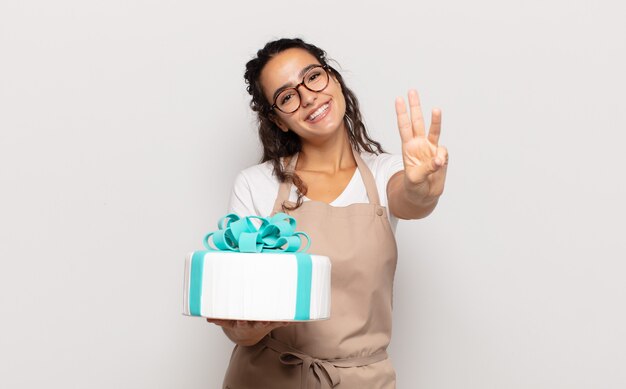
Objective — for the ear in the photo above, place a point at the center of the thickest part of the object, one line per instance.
(278, 121)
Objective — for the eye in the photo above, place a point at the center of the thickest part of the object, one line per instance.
(314, 76)
(285, 98)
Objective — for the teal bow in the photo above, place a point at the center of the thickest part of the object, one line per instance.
(275, 234)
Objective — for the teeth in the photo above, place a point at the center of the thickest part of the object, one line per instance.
(318, 112)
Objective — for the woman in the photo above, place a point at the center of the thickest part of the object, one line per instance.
(320, 166)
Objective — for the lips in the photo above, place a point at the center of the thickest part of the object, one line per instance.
(319, 113)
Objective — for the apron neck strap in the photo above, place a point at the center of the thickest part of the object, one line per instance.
(368, 179)
(366, 174)
(285, 187)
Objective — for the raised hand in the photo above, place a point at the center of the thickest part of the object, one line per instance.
(425, 162)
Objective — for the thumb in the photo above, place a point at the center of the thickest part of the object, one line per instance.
(433, 165)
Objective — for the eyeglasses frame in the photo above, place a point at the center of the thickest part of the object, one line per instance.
(326, 69)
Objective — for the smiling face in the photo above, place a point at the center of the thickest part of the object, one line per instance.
(320, 115)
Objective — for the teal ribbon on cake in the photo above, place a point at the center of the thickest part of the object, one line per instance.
(276, 234)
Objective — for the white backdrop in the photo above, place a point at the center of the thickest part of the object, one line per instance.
(124, 123)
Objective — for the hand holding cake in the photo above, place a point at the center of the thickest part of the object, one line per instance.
(246, 332)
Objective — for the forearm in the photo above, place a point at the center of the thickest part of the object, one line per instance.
(406, 201)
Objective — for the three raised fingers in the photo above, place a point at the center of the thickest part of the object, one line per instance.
(414, 126)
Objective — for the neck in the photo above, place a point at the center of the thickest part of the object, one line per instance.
(330, 156)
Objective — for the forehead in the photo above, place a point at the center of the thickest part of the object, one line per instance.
(284, 68)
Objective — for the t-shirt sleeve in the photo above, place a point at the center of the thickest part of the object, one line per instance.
(384, 166)
(241, 197)
(387, 166)
(393, 164)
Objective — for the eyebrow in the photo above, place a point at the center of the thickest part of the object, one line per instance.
(300, 75)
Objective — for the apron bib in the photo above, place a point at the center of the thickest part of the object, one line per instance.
(347, 351)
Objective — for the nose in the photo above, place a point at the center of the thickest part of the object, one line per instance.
(307, 97)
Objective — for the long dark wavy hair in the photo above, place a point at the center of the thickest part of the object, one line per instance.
(278, 144)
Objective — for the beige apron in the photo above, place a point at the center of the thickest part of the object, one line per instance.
(348, 351)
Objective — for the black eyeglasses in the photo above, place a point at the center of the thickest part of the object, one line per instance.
(315, 80)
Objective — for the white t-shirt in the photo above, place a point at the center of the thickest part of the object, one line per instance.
(256, 187)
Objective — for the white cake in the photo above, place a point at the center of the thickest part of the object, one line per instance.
(257, 286)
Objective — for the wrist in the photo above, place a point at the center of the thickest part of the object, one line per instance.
(418, 194)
